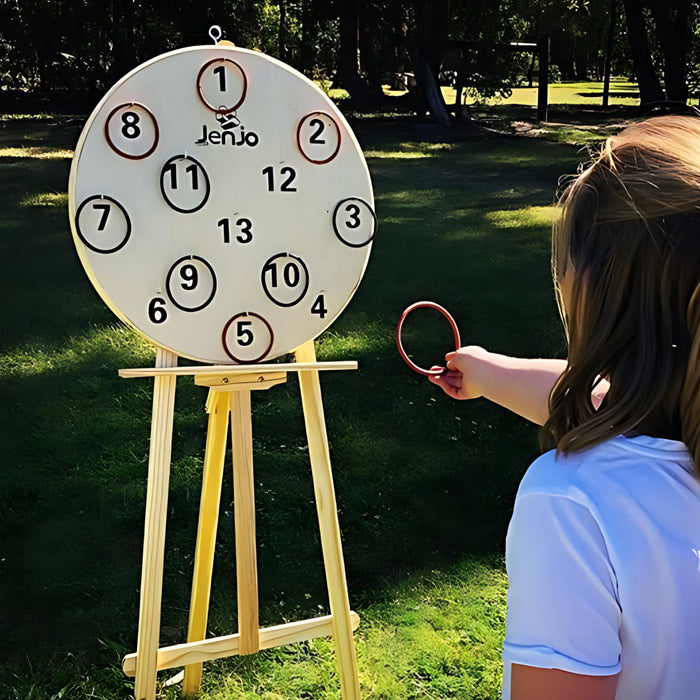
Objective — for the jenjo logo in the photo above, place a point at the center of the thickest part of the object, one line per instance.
(230, 133)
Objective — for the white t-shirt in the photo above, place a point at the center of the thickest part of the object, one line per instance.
(603, 560)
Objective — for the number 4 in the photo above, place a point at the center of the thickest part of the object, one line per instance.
(319, 306)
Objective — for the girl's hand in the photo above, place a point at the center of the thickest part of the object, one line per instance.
(463, 378)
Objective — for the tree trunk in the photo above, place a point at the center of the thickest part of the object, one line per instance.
(369, 62)
(649, 85)
(672, 19)
(531, 69)
(609, 45)
(543, 79)
(348, 74)
(282, 36)
(194, 23)
(123, 38)
(306, 57)
(432, 19)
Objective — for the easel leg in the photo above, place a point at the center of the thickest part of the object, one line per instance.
(218, 405)
(328, 525)
(244, 517)
(154, 529)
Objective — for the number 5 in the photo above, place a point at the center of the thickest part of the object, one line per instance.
(244, 336)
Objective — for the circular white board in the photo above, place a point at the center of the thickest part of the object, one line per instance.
(221, 205)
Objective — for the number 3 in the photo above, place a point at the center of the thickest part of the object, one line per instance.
(354, 212)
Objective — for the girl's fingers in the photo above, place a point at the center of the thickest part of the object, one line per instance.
(452, 378)
(450, 382)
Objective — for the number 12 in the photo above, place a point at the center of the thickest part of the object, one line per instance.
(286, 186)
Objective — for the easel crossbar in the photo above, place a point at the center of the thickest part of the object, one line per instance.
(221, 647)
(236, 369)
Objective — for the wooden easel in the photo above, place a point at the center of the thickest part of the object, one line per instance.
(229, 396)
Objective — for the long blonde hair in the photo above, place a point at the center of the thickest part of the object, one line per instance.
(628, 241)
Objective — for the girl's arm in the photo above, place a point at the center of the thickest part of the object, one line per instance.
(528, 683)
(520, 385)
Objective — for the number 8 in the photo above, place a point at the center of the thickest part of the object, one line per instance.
(130, 128)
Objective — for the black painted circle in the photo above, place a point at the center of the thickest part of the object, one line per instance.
(206, 180)
(305, 270)
(170, 274)
(337, 232)
(82, 235)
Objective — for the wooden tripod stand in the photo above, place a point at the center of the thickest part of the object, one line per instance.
(229, 396)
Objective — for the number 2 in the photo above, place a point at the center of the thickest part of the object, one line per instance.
(316, 136)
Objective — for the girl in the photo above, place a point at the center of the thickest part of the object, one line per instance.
(603, 549)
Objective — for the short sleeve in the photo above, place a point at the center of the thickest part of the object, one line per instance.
(563, 611)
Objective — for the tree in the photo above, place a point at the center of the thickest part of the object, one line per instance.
(650, 89)
(432, 19)
(672, 20)
(669, 25)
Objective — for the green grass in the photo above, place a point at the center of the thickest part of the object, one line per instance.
(424, 484)
(589, 93)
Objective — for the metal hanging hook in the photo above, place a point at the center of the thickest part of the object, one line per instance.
(215, 33)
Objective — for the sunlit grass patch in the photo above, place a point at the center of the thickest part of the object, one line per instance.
(572, 134)
(398, 155)
(521, 218)
(41, 152)
(46, 199)
(622, 92)
(411, 151)
(38, 358)
(432, 635)
(440, 636)
(19, 116)
(369, 336)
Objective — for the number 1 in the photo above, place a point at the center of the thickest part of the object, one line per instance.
(221, 72)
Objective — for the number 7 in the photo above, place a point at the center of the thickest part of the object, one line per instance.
(105, 213)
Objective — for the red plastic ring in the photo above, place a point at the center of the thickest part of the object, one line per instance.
(399, 344)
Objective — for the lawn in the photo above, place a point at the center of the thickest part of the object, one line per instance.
(623, 92)
(424, 484)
